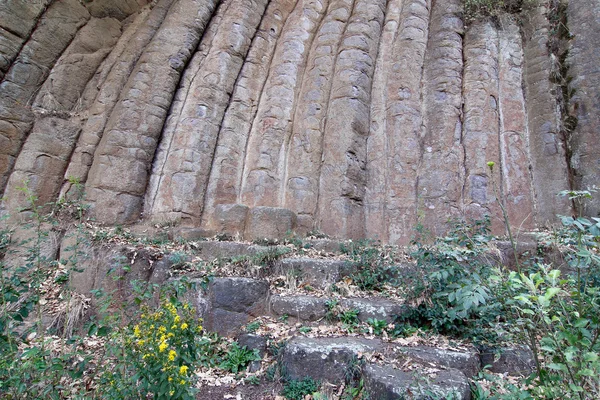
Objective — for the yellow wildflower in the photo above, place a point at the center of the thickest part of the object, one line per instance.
(183, 369)
(182, 382)
(170, 334)
(170, 378)
(162, 347)
(162, 329)
(172, 355)
(136, 331)
(184, 326)
(177, 319)
(141, 342)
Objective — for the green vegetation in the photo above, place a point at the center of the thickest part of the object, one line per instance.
(298, 389)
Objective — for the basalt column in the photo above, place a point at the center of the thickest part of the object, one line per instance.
(121, 167)
(394, 143)
(181, 174)
(584, 106)
(343, 167)
(441, 170)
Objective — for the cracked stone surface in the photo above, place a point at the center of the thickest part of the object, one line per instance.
(264, 118)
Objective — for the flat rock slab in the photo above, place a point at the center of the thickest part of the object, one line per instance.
(211, 250)
(302, 308)
(464, 361)
(311, 308)
(229, 303)
(514, 361)
(316, 272)
(269, 223)
(324, 359)
(374, 308)
(325, 245)
(387, 383)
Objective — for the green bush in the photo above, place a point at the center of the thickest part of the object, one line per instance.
(298, 389)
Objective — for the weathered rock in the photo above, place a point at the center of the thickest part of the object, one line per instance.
(441, 171)
(269, 222)
(374, 308)
(302, 308)
(316, 272)
(180, 176)
(232, 302)
(53, 33)
(584, 106)
(387, 383)
(343, 176)
(514, 361)
(230, 218)
(103, 94)
(466, 362)
(360, 117)
(119, 173)
(324, 359)
(546, 146)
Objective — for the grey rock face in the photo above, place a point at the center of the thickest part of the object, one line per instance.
(324, 359)
(356, 118)
(387, 383)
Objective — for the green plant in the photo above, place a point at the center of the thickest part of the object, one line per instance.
(298, 389)
(305, 329)
(154, 356)
(253, 326)
(238, 358)
(451, 291)
(378, 325)
(349, 319)
(371, 262)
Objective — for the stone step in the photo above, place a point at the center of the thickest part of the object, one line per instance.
(331, 359)
(312, 308)
(383, 382)
(316, 272)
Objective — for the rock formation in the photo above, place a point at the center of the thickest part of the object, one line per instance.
(357, 118)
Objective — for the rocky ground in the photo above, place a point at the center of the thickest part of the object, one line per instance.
(295, 301)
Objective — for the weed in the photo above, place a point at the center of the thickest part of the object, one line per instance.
(238, 358)
(253, 326)
(378, 325)
(298, 389)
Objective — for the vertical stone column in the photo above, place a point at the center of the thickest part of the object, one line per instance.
(343, 171)
(121, 167)
(441, 171)
(301, 179)
(180, 179)
(224, 184)
(584, 61)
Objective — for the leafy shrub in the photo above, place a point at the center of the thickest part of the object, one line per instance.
(238, 358)
(451, 291)
(156, 355)
(298, 389)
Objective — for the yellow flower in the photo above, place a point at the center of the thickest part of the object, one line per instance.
(173, 327)
(136, 331)
(162, 329)
(172, 392)
(141, 342)
(182, 382)
(172, 355)
(177, 319)
(184, 326)
(162, 347)
(170, 378)
(183, 369)
(170, 334)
